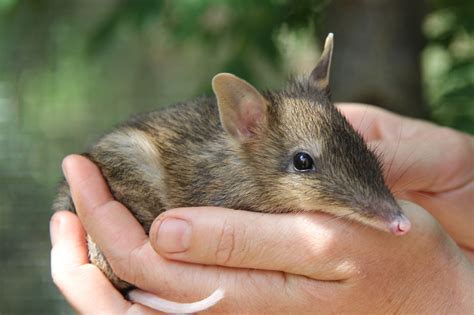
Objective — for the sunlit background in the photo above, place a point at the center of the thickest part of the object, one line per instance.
(71, 70)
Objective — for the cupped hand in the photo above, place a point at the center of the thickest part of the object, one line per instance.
(425, 163)
(265, 263)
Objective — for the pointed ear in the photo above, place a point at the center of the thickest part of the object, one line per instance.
(319, 77)
(242, 108)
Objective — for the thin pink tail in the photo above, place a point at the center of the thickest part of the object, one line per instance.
(162, 305)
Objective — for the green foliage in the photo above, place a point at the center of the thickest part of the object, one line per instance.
(247, 28)
(449, 63)
(6, 5)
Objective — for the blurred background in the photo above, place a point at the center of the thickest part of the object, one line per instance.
(71, 70)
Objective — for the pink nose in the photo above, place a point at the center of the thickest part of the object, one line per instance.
(400, 226)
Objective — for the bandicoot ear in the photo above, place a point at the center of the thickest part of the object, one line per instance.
(242, 108)
(319, 77)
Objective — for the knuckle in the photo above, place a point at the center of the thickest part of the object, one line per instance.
(58, 277)
(65, 277)
(135, 266)
(230, 245)
(129, 267)
(121, 267)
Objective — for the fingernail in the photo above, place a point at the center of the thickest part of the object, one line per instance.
(174, 235)
(54, 228)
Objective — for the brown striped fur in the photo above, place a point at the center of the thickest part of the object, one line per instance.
(183, 157)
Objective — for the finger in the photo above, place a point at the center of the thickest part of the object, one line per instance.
(403, 141)
(126, 246)
(232, 238)
(375, 123)
(408, 164)
(176, 281)
(183, 282)
(417, 164)
(106, 220)
(370, 121)
(79, 281)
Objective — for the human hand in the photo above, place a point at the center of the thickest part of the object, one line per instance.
(266, 263)
(425, 163)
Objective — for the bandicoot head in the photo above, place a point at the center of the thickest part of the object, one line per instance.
(301, 147)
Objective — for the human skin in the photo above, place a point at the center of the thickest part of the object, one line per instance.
(425, 163)
(269, 263)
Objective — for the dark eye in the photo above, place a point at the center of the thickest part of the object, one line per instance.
(303, 161)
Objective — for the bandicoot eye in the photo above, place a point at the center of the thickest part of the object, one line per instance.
(302, 161)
